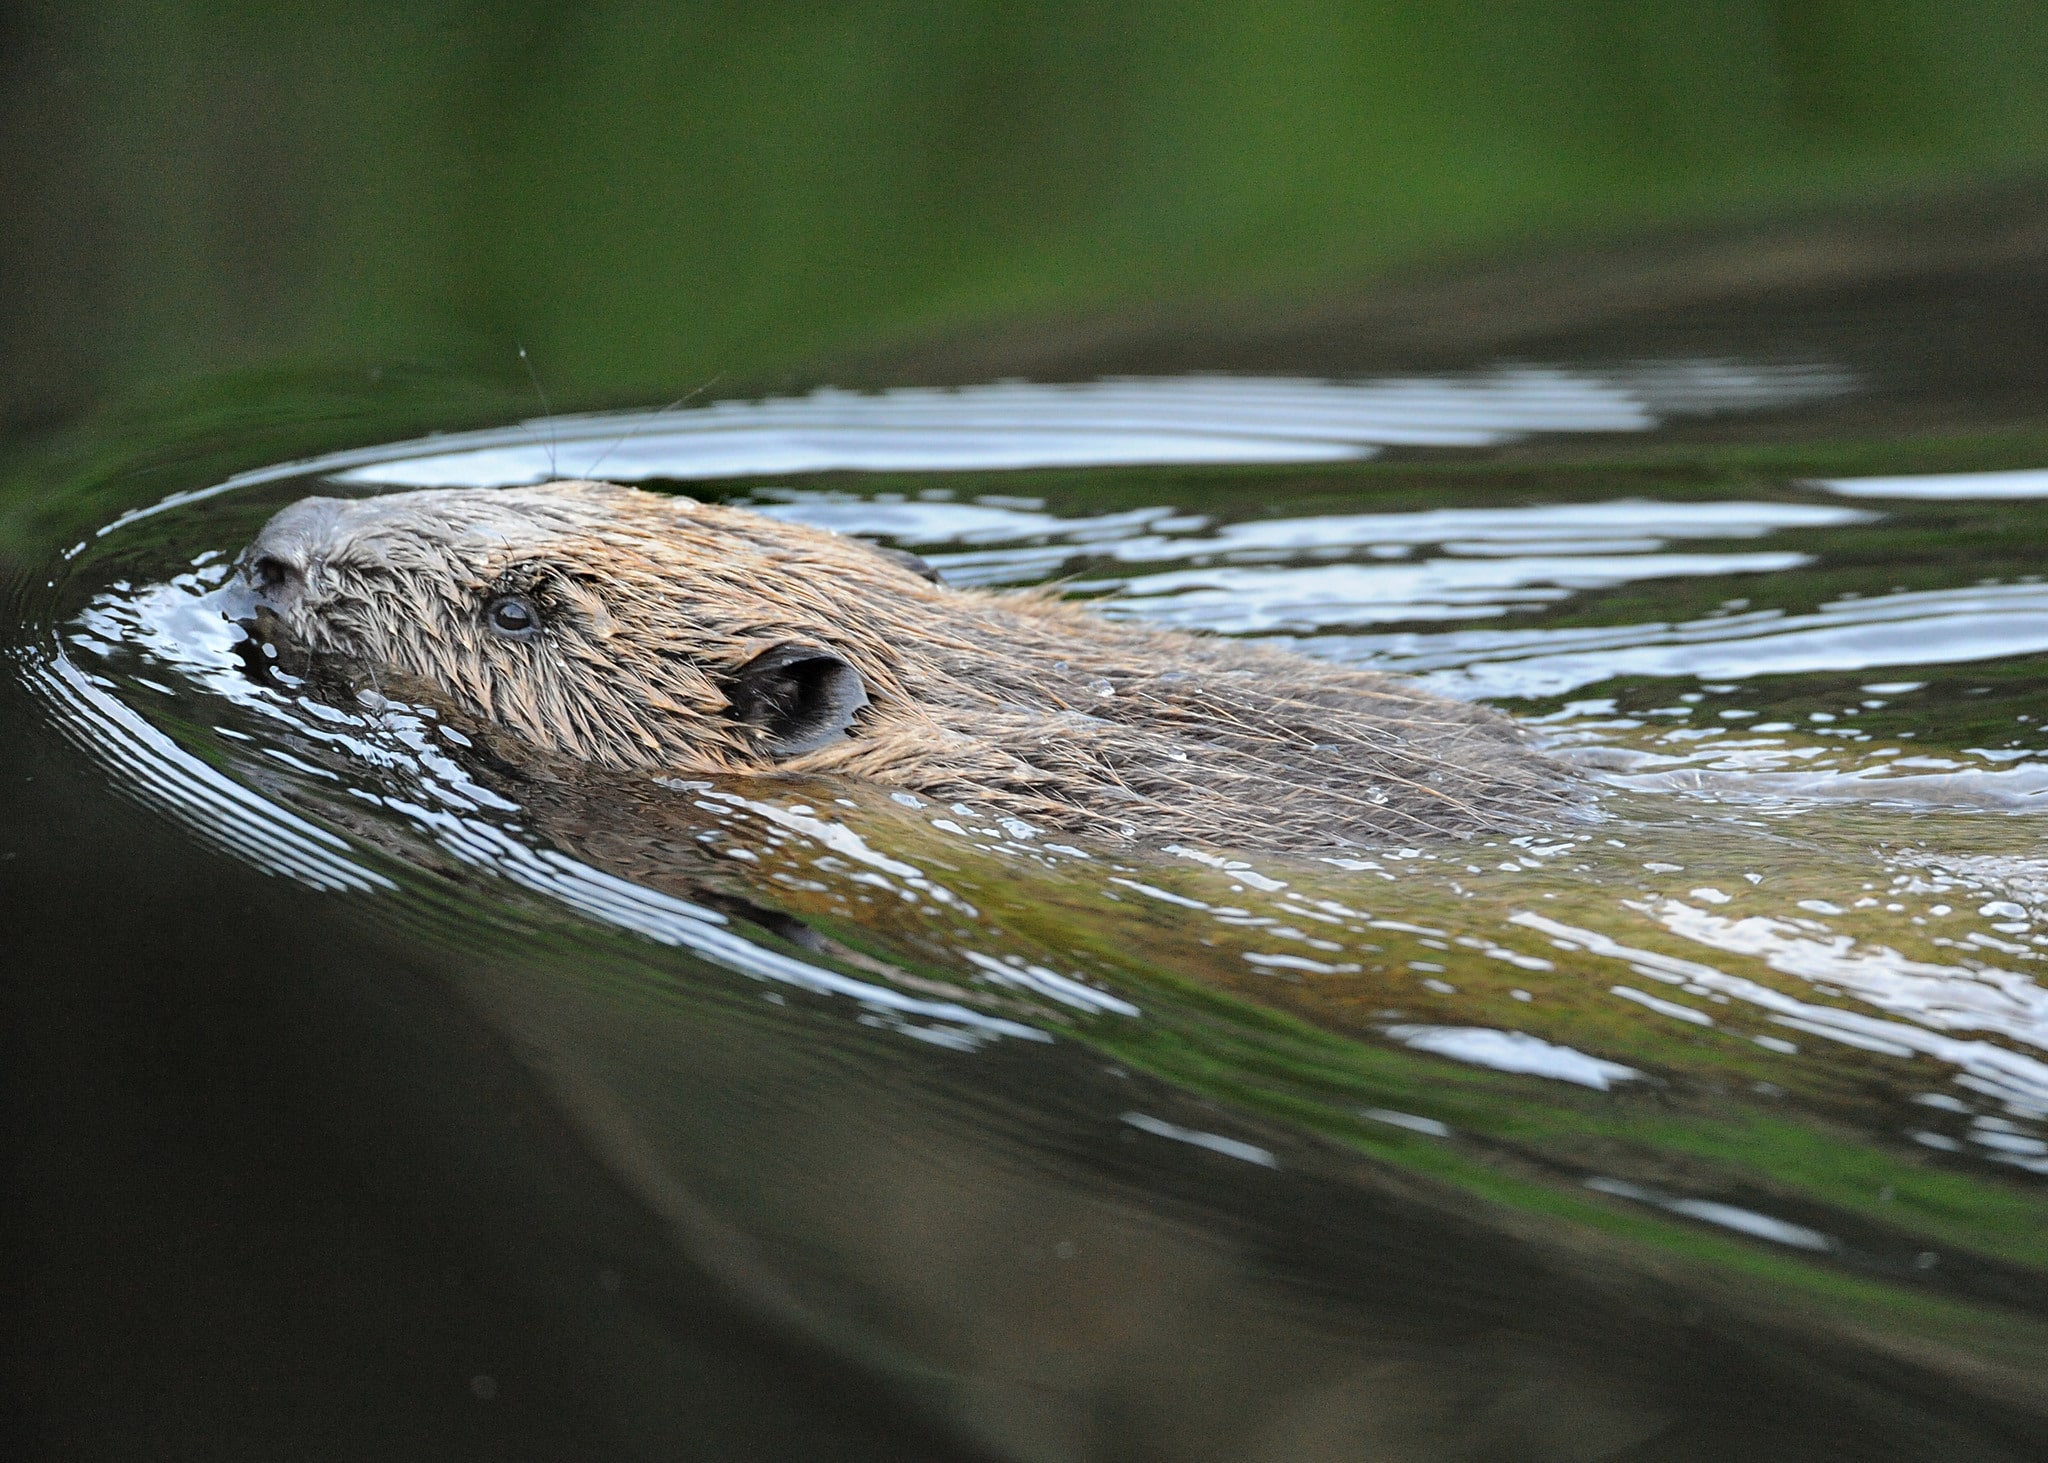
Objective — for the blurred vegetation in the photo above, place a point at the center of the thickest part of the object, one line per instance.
(647, 196)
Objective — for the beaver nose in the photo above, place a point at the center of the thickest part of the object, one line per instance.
(260, 586)
(264, 583)
(271, 572)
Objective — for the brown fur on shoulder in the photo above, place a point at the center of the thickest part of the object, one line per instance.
(673, 636)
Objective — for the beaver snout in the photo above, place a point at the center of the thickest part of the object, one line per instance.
(261, 591)
(270, 576)
(268, 583)
(278, 559)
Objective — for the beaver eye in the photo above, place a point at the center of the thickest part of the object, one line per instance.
(513, 616)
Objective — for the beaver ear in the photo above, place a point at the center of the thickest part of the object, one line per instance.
(801, 696)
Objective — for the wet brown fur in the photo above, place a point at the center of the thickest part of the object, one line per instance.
(1014, 702)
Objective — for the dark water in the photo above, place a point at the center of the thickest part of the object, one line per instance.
(735, 1119)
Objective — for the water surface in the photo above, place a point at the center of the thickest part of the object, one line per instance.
(1665, 1129)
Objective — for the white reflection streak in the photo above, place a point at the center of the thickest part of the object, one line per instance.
(1033, 546)
(1728, 1216)
(1018, 424)
(1214, 1142)
(1513, 1051)
(1949, 997)
(671, 921)
(1629, 521)
(843, 840)
(2030, 482)
(1915, 628)
(1408, 1120)
(218, 808)
(2015, 1076)
(1068, 990)
(1256, 601)
(952, 523)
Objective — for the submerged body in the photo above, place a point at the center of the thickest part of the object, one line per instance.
(587, 624)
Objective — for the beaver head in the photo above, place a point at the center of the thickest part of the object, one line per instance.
(588, 623)
(562, 614)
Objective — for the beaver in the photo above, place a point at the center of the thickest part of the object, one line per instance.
(583, 623)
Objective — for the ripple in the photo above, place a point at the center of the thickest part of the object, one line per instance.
(1945, 487)
(1514, 1051)
(1917, 628)
(1241, 601)
(1042, 544)
(172, 624)
(158, 771)
(1021, 424)
(1728, 1216)
(1922, 1000)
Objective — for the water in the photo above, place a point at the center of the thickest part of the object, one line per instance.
(1711, 1125)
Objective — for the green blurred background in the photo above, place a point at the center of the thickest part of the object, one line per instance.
(651, 196)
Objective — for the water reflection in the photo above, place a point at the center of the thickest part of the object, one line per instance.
(1270, 923)
(1764, 1030)
(1945, 486)
(1019, 424)
(1513, 1051)
(1297, 600)
(1729, 1216)
(1982, 622)
(1934, 997)
(1046, 544)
